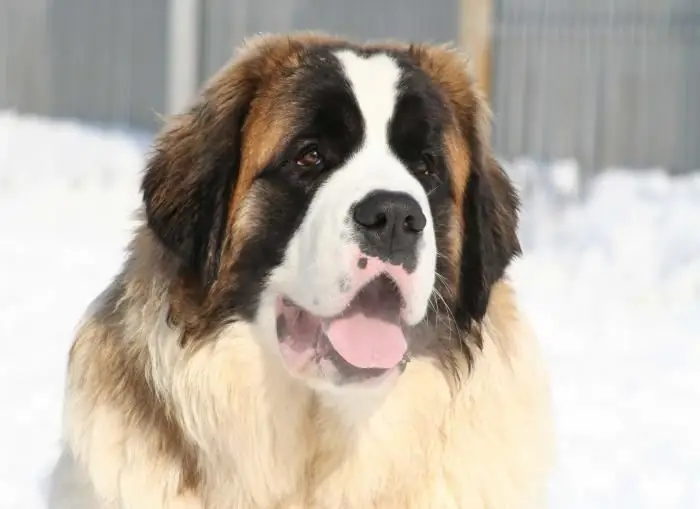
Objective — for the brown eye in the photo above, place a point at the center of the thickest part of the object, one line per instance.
(425, 165)
(310, 158)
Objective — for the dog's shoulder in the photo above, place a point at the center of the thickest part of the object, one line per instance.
(116, 424)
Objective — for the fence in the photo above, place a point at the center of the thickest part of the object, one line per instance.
(608, 82)
(101, 61)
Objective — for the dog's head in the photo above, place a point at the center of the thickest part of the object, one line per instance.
(340, 198)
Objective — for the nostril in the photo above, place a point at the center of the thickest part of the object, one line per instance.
(380, 221)
(414, 224)
(409, 224)
(371, 218)
(396, 216)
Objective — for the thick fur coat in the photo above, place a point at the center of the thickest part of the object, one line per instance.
(177, 394)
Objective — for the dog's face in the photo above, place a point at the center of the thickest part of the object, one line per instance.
(341, 199)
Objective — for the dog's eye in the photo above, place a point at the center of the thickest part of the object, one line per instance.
(425, 165)
(310, 158)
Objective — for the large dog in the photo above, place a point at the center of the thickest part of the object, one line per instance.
(314, 313)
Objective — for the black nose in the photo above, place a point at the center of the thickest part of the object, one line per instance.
(390, 222)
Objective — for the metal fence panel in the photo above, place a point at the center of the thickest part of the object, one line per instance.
(24, 55)
(228, 22)
(100, 61)
(608, 82)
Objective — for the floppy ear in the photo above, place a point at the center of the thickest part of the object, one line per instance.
(189, 180)
(490, 219)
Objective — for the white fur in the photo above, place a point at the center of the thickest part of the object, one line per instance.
(265, 442)
(321, 253)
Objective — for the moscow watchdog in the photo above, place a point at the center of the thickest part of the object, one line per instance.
(313, 312)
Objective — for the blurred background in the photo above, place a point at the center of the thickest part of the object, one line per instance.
(596, 117)
(607, 82)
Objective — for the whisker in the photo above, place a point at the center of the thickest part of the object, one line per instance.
(434, 189)
(448, 315)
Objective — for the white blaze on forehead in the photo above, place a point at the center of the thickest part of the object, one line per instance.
(321, 258)
(320, 271)
(375, 82)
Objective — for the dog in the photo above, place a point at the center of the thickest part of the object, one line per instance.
(314, 310)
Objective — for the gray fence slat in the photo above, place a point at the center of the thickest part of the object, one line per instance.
(615, 77)
(608, 82)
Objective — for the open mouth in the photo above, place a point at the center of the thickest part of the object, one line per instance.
(367, 337)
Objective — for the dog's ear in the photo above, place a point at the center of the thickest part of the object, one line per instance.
(489, 204)
(189, 180)
(490, 219)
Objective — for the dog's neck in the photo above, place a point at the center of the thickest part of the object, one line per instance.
(236, 402)
(351, 405)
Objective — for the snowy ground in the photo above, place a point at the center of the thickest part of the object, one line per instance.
(612, 284)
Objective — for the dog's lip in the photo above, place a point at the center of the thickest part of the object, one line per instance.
(311, 338)
(287, 301)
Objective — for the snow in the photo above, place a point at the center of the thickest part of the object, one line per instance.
(611, 282)
(613, 286)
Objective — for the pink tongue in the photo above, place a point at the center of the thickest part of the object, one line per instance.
(367, 342)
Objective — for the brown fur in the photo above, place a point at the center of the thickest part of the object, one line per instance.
(154, 422)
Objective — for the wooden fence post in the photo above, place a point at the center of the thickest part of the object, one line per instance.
(476, 38)
(183, 54)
